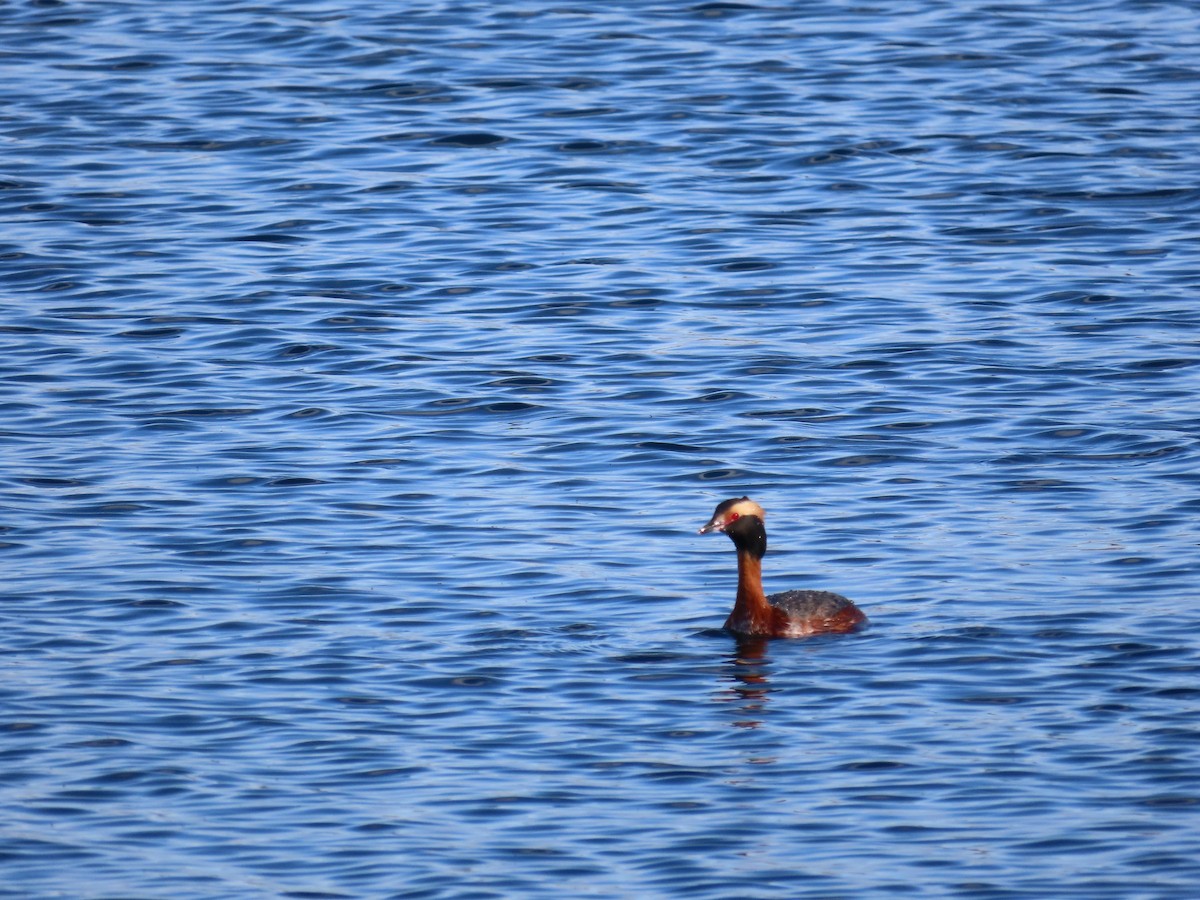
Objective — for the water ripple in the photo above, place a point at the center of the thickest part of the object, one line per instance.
(366, 373)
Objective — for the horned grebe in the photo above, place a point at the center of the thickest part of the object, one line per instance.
(790, 614)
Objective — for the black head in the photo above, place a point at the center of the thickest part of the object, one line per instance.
(742, 519)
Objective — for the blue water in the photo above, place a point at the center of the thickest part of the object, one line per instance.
(366, 370)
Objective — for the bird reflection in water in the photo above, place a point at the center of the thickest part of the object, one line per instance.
(748, 671)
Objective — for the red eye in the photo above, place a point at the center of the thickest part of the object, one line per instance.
(733, 517)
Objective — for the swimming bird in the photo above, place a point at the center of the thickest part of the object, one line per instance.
(789, 614)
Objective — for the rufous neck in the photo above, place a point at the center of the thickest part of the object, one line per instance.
(750, 594)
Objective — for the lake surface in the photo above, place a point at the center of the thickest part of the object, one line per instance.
(366, 370)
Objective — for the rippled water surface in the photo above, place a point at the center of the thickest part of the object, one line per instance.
(366, 370)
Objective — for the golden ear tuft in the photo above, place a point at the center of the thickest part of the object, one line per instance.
(747, 507)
